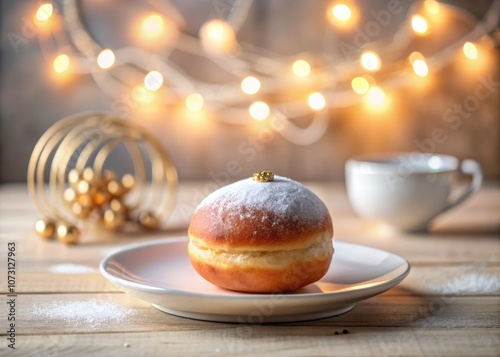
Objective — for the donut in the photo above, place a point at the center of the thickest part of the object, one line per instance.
(261, 236)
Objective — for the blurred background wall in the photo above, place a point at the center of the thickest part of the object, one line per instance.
(32, 98)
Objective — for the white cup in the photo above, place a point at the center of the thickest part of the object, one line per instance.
(407, 190)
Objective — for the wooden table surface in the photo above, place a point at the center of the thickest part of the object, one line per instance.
(449, 305)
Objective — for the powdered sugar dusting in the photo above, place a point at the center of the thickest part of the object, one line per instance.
(91, 313)
(283, 199)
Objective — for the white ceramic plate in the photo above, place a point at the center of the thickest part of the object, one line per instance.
(159, 272)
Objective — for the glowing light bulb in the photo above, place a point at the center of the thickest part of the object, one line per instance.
(106, 59)
(360, 85)
(419, 24)
(316, 101)
(61, 63)
(470, 50)
(250, 85)
(44, 12)
(341, 12)
(416, 56)
(371, 61)
(432, 7)
(141, 95)
(301, 68)
(259, 110)
(218, 37)
(153, 24)
(194, 102)
(376, 97)
(420, 67)
(153, 80)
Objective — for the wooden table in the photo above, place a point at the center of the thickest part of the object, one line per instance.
(449, 305)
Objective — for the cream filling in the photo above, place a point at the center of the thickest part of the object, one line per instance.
(277, 259)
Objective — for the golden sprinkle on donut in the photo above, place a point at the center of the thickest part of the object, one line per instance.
(263, 176)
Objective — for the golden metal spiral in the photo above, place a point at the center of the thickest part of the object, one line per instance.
(70, 183)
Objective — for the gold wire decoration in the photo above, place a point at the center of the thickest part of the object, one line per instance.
(70, 184)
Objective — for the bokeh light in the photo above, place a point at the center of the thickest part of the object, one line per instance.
(316, 101)
(419, 24)
(61, 63)
(44, 12)
(371, 61)
(250, 85)
(153, 80)
(470, 50)
(106, 59)
(360, 85)
(194, 102)
(259, 110)
(301, 68)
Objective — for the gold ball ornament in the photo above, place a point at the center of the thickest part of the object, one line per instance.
(69, 195)
(73, 177)
(80, 190)
(68, 234)
(115, 188)
(128, 182)
(45, 229)
(113, 220)
(148, 220)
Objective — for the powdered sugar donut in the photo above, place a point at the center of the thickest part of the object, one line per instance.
(261, 237)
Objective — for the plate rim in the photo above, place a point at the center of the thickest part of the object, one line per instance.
(379, 288)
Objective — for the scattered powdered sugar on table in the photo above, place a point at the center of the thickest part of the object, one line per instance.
(91, 313)
(70, 268)
(470, 283)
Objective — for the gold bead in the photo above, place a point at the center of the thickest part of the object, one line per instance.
(73, 177)
(113, 220)
(45, 229)
(100, 197)
(86, 201)
(68, 234)
(69, 195)
(115, 188)
(148, 220)
(263, 176)
(108, 176)
(117, 206)
(83, 187)
(128, 182)
(88, 174)
(80, 211)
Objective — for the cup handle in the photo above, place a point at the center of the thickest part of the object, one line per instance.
(468, 167)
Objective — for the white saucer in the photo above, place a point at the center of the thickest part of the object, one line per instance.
(160, 273)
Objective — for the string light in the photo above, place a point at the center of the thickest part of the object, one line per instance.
(360, 85)
(194, 102)
(301, 68)
(218, 37)
(371, 61)
(341, 12)
(316, 101)
(259, 110)
(419, 24)
(106, 59)
(470, 50)
(61, 63)
(142, 95)
(153, 80)
(420, 67)
(432, 7)
(153, 24)
(44, 12)
(376, 97)
(250, 85)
